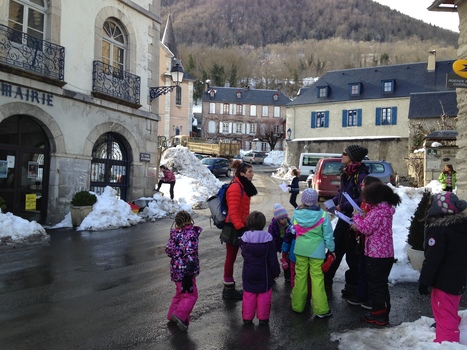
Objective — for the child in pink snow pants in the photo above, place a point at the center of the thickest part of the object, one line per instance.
(182, 248)
(260, 268)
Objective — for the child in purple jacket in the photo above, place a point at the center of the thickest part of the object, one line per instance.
(260, 268)
(182, 248)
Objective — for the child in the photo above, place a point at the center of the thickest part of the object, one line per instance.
(376, 225)
(448, 178)
(182, 248)
(294, 188)
(168, 177)
(277, 229)
(361, 297)
(260, 268)
(445, 265)
(313, 235)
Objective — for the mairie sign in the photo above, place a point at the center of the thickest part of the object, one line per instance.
(460, 68)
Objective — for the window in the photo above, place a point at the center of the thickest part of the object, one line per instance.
(239, 109)
(27, 16)
(212, 93)
(275, 97)
(239, 94)
(178, 95)
(238, 128)
(277, 129)
(113, 46)
(386, 116)
(212, 127)
(355, 89)
(212, 108)
(351, 117)
(387, 86)
(225, 128)
(320, 119)
(253, 111)
(265, 112)
(277, 112)
(322, 91)
(225, 108)
(252, 128)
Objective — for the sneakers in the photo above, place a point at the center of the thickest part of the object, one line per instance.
(378, 317)
(263, 322)
(182, 325)
(247, 321)
(347, 293)
(327, 314)
(229, 292)
(366, 305)
(354, 301)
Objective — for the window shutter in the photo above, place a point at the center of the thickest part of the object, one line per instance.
(394, 116)
(220, 127)
(378, 116)
(243, 109)
(344, 118)
(243, 128)
(326, 119)
(232, 109)
(230, 127)
(359, 117)
(313, 120)
(248, 128)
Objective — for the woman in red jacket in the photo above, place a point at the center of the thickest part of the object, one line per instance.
(238, 195)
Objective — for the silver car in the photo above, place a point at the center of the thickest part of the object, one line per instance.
(253, 158)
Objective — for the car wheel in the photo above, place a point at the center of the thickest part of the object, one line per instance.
(228, 173)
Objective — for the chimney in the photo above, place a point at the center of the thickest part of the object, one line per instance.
(207, 83)
(431, 61)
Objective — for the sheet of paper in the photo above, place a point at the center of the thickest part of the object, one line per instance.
(330, 206)
(352, 203)
(283, 186)
(343, 217)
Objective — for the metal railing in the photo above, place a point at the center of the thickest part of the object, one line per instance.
(114, 82)
(25, 52)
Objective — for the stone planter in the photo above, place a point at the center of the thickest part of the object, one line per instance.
(416, 258)
(79, 213)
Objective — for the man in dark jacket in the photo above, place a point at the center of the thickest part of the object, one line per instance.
(353, 173)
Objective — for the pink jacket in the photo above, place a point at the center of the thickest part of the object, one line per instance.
(168, 176)
(377, 227)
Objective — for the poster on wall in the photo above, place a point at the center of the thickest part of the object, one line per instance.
(31, 200)
(33, 168)
(3, 169)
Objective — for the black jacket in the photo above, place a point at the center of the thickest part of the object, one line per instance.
(445, 265)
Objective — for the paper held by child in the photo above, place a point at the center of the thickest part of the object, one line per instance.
(352, 203)
(330, 206)
(343, 217)
(283, 186)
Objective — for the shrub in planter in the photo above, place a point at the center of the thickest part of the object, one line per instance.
(83, 198)
(416, 235)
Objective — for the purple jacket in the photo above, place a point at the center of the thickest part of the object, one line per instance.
(275, 231)
(260, 264)
(351, 185)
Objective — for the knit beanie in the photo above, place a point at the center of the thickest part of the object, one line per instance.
(445, 204)
(309, 197)
(280, 212)
(356, 153)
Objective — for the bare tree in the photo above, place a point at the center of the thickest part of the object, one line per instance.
(271, 134)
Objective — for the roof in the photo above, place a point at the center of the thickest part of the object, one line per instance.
(409, 78)
(347, 138)
(248, 96)
(168, 38)
(433, 104)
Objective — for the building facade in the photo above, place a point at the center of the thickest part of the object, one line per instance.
(75, 110)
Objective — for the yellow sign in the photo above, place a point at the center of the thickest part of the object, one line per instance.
(460, 68)
(31, 201)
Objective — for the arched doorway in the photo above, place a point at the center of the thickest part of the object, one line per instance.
(110, 165)
(24, 167)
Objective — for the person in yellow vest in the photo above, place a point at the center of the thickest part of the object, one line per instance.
(448, 178)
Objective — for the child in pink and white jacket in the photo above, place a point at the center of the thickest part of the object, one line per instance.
(182, 248)
(376, 225)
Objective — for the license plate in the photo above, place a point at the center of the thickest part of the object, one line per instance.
(337, 183)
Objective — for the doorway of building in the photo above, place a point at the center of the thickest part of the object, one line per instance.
(24, 167)
(110, 165)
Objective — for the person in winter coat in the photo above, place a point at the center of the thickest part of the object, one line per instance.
(448, 178)
(313, 236)
(445, 265)
(294, 188)
(238, 197)
(376, 225)
(168, 177)
(260, 268)
(182, 248)
(353, 173)
(277, 228)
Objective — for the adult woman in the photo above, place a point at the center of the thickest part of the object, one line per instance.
(238, 196)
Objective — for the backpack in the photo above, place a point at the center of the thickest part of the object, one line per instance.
(218, 206)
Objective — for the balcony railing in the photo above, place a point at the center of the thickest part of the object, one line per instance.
(26, 53)
(112, 83)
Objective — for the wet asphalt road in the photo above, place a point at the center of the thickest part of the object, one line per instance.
(111, 290)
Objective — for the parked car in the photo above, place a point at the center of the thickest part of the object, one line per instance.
(253, 157)
(326, 180)
(199, 156)
(217, 166)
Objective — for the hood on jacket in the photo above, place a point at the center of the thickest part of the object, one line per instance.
(307, 217)
(256, 243)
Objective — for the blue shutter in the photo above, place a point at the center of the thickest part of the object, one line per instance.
(359, 117)
(326, 119)
(378, 116)
(313, 120)
(344, 118)
(394, 116)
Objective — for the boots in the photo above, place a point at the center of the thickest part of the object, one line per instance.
(230, 292)
(379, 317)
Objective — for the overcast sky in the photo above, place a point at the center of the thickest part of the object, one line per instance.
(418, 9)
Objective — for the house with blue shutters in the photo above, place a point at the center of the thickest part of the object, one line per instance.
(369, 106)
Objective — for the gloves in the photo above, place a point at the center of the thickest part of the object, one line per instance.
(241, 231)
(187, 284)
(423, 290)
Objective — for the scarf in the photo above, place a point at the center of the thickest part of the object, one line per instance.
(351, 169)
(248, 186)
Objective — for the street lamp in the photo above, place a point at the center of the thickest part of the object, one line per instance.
(177, 77)
(289, 134)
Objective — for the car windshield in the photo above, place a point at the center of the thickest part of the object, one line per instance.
(208, 161)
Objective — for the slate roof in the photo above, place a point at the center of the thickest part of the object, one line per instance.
(433, 104)
(249, 96)
(409, 78)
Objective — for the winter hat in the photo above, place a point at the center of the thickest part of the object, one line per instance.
(309, 197)
(280, 212)
(356, 153)
(446, 203)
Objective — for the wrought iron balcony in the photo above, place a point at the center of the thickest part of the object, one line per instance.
(114, 84)
(22, 53)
